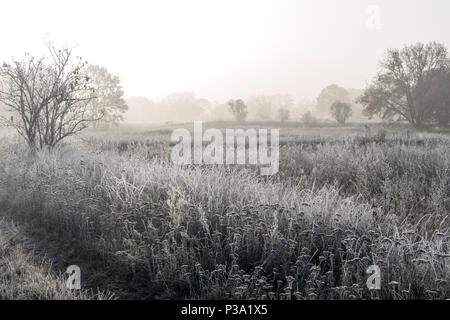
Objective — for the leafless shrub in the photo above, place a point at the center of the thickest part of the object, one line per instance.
(48, 97)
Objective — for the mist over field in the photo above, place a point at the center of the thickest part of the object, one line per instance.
(225, 150)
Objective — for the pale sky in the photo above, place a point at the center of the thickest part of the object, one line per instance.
(226, 49)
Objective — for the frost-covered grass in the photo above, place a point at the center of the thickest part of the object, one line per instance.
(143, 228)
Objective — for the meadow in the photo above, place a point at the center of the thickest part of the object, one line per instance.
(140, 227)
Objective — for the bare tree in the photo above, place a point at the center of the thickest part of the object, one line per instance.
(404, 83)
(341, 111)
(238, 109)
(48, 96)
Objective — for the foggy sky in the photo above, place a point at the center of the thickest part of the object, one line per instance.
(225, 49)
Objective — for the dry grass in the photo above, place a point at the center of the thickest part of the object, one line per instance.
(144, 228)
(26, 276)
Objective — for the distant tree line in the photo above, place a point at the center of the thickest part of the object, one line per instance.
(47, 99)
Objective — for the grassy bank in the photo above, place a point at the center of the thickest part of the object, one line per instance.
(25, 275)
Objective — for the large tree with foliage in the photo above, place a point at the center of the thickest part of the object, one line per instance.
(238, 109)
(109, 105)
(308, 119)
(438, 98)
(329, 95)
(410, 84)
(341, 111)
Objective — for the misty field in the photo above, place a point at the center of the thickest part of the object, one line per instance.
(139, 227)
